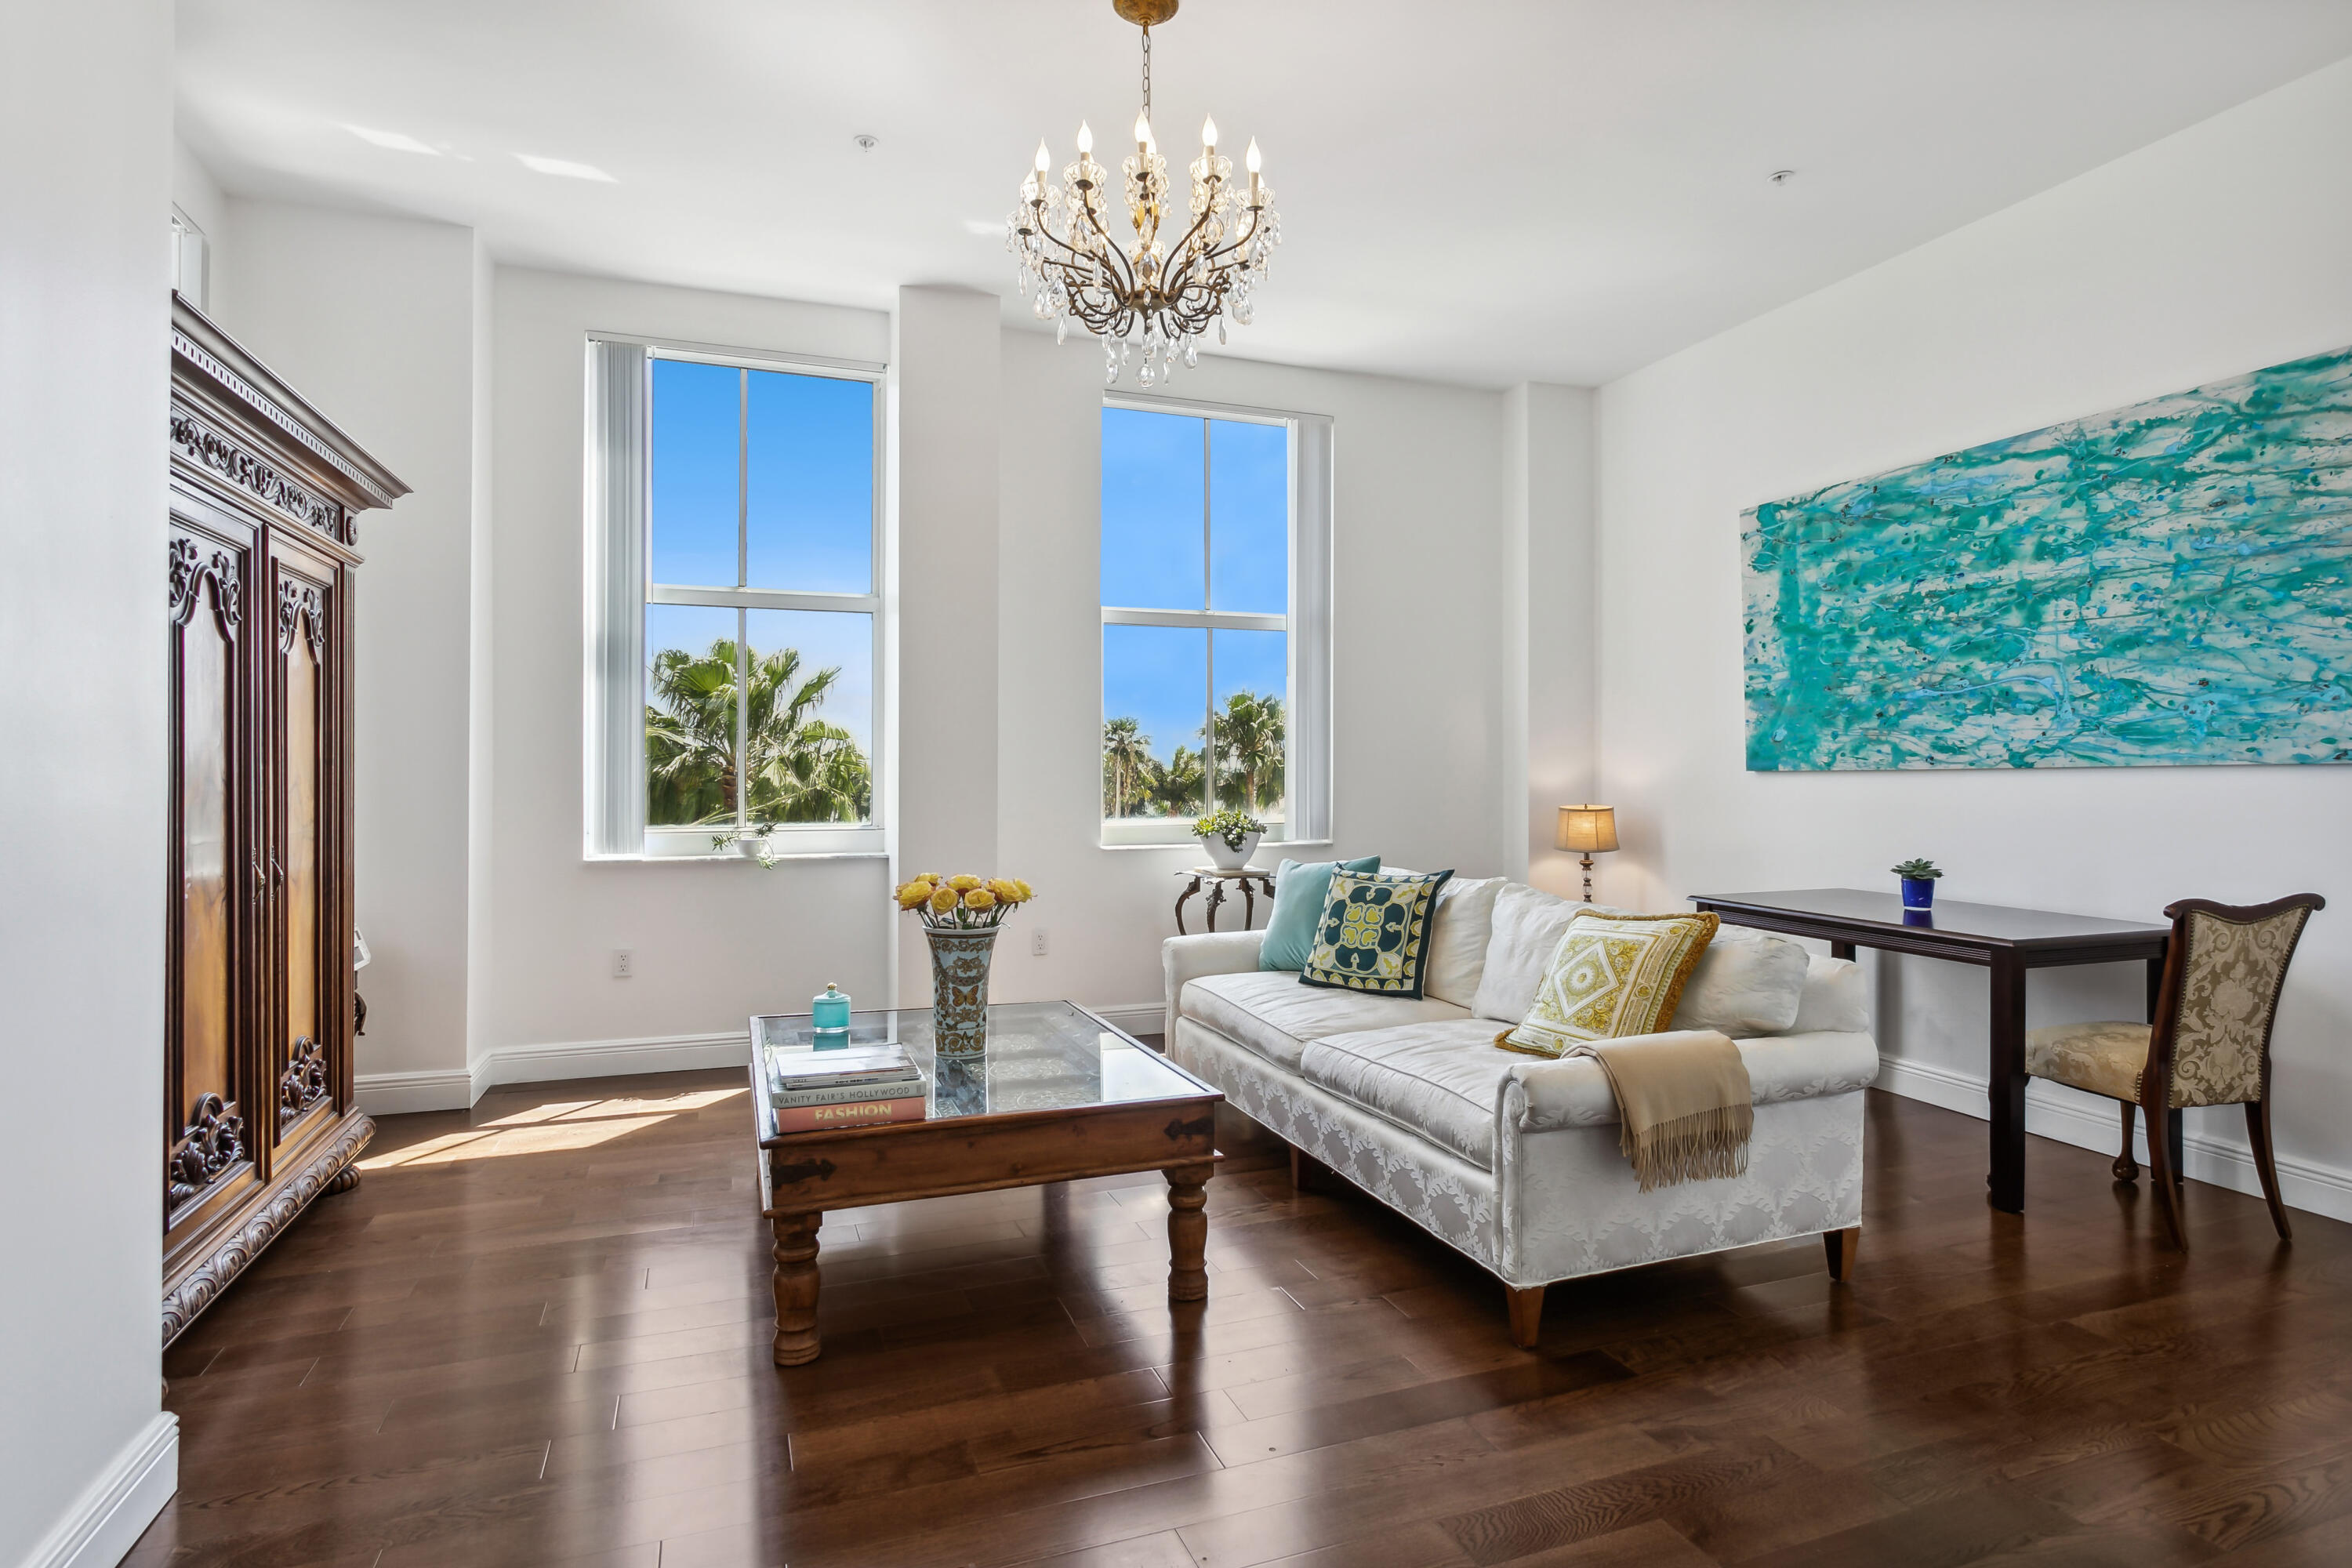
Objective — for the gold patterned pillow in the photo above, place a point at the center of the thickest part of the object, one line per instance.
(1611, 976)
(1374, 934)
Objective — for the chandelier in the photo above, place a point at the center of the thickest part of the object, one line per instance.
(1150, 294)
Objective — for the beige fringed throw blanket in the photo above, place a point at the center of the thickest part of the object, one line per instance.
(1685, 1106)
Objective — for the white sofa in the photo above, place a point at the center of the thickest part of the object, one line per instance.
(1511, 1159)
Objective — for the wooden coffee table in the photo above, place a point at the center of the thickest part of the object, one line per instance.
(1057, 1095)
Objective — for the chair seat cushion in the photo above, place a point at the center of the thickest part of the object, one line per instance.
(2103, 1059)
(1440, 1079)
(1268, 1011)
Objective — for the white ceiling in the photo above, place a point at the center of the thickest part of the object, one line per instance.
(1481, 191)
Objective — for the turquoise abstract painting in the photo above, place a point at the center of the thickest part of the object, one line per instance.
(2167, 584)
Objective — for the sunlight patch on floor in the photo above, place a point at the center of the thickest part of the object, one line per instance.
(553, 1128)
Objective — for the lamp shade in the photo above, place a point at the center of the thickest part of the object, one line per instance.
(1587, 828)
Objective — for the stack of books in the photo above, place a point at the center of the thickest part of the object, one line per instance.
(864, 1086)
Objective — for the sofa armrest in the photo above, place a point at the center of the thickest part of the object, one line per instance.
(1183, 959)
(1573, 1091)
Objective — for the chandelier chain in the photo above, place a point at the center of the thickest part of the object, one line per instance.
(1147, 73)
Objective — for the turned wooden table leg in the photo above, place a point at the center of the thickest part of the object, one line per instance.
(796, 1284)
(1188, 1231)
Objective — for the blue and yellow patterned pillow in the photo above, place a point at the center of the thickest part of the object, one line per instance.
(1374, 934)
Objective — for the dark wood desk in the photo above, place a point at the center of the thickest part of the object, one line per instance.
(2007, 941)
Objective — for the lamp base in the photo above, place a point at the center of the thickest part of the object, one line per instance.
(1586, 863)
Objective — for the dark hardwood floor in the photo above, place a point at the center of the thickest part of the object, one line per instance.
(538, 1333)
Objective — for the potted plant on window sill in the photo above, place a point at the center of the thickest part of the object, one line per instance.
(752, 843)
(1229, 837)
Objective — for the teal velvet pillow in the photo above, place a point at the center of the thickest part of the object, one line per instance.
(1298, 893)
(1374, 934)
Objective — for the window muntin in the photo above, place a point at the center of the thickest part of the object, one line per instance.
(754, 655)
(1197, 548)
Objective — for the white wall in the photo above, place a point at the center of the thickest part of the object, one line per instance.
(713, 940)
(375, 320)
(86, 1459)
(1551, 620)
(1420, 725)
(2221, 249)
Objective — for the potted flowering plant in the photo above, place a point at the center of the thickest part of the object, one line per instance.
(752, 843)
(1229, 837)
(961, 916)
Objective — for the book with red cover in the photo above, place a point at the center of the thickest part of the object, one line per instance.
(853, 1114)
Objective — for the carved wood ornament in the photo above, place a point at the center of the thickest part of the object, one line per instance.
(295, 601)
(202, 445)
(189, 567)
(213, 1141)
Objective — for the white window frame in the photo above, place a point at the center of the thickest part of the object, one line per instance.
(618, 493)
(1307, 769)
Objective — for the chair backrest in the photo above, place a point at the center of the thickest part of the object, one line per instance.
(2222, 976)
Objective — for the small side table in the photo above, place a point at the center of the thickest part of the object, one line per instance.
(1253, 882)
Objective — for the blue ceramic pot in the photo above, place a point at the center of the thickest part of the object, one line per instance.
(960, 989)
(1918, 892)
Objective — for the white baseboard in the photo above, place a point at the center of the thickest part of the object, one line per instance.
(457, 1089)
(106, 1521)
(398, 1093)
(2052, 1111)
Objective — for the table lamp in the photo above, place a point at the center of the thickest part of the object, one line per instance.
(1589, 829)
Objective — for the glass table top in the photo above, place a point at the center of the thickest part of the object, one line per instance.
(1994, 921)
(1040, 1055)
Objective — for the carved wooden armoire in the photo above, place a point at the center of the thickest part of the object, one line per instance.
(258, 1117)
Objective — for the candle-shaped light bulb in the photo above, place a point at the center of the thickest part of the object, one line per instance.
(1209, 133)
(1251, 157)
(1142, 130)
(1086, 139)
(1045, 159)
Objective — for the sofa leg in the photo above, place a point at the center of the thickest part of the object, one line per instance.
(1842, 1244)
(1527, 1314)
(1300, 1167)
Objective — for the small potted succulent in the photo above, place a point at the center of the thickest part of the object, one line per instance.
(1919, 883)
(1229, 837)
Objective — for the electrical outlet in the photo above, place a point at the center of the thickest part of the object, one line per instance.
(624, 963)
(1037, 942)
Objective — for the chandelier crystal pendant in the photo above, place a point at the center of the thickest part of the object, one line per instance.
(1150, 294)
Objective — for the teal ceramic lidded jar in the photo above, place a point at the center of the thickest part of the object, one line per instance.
(829, 1015)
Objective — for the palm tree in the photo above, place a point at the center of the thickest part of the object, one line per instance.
(1176, 789)
(1248, 738)
(799, 768)
(1126, 755)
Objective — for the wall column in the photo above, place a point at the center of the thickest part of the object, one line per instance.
(942, 777)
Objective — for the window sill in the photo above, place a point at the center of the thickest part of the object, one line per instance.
(730, 858)
(1190, 847)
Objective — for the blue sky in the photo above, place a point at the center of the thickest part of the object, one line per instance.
(1154, 557)
(800, 456)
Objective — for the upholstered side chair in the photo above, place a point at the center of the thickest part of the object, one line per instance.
(2210, 1043)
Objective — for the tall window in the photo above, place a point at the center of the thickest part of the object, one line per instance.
(1213, 609)
(738, 500)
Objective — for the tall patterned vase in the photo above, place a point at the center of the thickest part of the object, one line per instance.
(960, 989)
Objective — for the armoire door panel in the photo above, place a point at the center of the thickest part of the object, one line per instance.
(206, 1121)
(301, 1057)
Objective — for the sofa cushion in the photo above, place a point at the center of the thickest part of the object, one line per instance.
(1374, 935)
(1834, 1001)
(1269, 1012)
(1573, 1091)
(1527, 926)
(1459, 932)
(1744, 984)
(1614, 977)
(1299, 886)
(1441, 1079)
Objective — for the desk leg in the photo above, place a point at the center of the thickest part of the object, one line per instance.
(796, 1284)
(1840, 949)
(2006, 1085)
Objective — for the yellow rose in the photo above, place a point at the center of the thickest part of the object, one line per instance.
(1027, 892)
(1006, 893)
(943, 901)
(912, 894)
(963, 884)
(979, 899)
